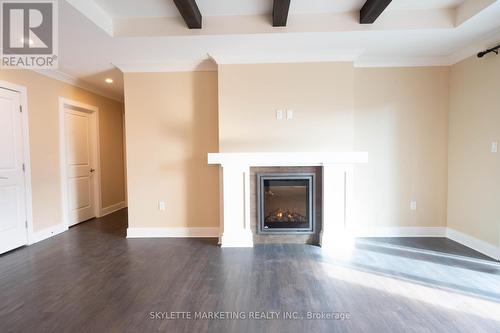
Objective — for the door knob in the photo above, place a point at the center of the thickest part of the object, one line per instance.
(92, 170)
(3, 178)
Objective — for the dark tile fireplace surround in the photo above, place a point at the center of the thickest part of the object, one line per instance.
(286, 204)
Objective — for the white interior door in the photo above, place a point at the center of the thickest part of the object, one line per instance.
(13, 227)
(80, 167)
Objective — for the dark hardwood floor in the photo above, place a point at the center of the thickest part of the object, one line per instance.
(92, 279)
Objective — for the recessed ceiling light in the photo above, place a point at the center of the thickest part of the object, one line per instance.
(108, 80)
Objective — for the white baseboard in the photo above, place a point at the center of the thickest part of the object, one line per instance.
(113, 208)
(399, 232)
(171, 232)
(43, 234)
(476, 244)
(241, 238)
(467, 240)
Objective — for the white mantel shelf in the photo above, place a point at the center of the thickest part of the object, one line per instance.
(288, 159)
(337, 187)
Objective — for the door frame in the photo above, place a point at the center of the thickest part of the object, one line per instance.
(23, 94)
(94, 113)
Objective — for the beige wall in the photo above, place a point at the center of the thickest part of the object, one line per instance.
(401, 119)
(320, 95)
(112, 157)
(43, 94)
(171, 125)
(474, 172)
(398, 115)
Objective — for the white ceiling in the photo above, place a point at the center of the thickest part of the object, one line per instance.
(424, 32)
(166, 8)
(424, 4)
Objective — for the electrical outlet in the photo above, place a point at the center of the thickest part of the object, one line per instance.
(494, 147)
(161, 205)
(279, 114)
(413, 205)
(289, 114)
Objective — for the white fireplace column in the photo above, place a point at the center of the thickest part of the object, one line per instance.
(235, 214)
(337, 199)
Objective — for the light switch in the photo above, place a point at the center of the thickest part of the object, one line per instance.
(279, 114)
(289, 114)
(413, 205)
(494, 147)
(161, 205)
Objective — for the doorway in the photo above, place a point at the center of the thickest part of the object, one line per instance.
(15, 182)
(80, 176)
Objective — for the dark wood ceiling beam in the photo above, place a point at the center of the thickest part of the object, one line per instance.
(280, 12)
(372, 10)
(189, 12)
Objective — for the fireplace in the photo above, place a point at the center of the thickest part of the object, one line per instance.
(285, 203)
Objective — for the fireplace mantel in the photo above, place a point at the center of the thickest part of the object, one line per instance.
(288, 159)
(235, 190)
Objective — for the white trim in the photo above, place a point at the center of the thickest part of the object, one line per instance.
(476, 244)
(79, 105)
(43, 234)
(95, 13)
(235, 198)
(407, 248)
(94, 111)
(287, 159)
(358, 62)
(286, 57)
(471, 50)
(336, 202)
(172, 232)
(459, 237)
(125, 177)
(23, 92)
(242, 238)
(398, 232)
(205, 65)
(389, 62)
(113, 208)
(71, 80)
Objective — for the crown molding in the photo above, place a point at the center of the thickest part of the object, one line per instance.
(71, 80)
(382, 61)
(202, 65)
(358, 62)
(326, 55)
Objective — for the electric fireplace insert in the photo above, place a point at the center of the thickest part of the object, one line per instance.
(285, 203)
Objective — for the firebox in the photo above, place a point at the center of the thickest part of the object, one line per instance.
(285, 203)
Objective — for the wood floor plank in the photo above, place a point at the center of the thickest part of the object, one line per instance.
(93, 279)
